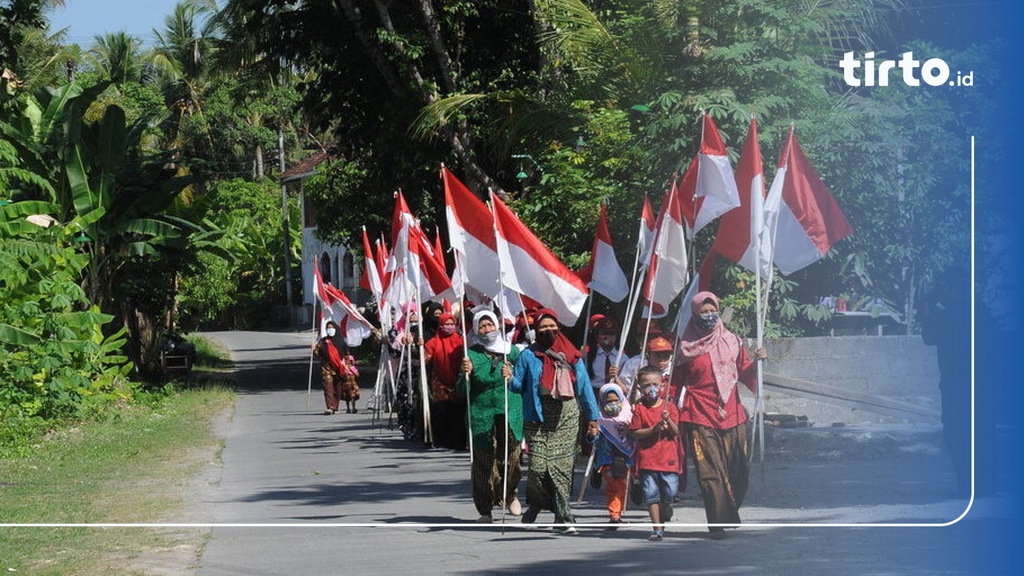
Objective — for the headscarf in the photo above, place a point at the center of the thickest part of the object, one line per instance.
(722, 345)
(562, 346)
(447, 352)
(499, 345)
(332, 354)
(615, 429)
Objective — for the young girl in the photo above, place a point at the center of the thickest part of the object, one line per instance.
(656, 430)
(613, 448)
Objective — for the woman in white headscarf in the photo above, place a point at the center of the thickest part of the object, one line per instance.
(495, 418)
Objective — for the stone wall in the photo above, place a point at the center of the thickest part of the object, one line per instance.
(899, 368)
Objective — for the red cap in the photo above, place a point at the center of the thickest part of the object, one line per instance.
(659, 344)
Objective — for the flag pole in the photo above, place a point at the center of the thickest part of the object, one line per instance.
(465, 354)
(309, 383)
(633, 296)
(586, 319)
(502, 304)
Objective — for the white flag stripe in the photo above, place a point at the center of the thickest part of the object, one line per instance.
(715, 182)
(607, 276)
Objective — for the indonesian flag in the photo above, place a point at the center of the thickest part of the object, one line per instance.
(532, 270)
(471, 236)
(337, 307)
(403, 262)
(666, 272)
(433, 278)
(603, 273)
(803, 217)
(648, 227)
(371, 278)
(708, 187)
(382, 260)
(739, 230)
(413, 262)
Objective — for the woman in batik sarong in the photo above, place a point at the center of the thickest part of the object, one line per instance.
(332, 351)
(552, 378)
(495, 417)
(711, 361)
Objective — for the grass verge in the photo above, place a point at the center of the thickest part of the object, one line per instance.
(142, 465)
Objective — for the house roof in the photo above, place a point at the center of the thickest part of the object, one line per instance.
(305, 168)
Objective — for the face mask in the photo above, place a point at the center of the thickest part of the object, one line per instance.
(447, 330)
(490, 337)
(651, 394)
(707, 321)
(612, 409)
(331, 332)
(547, 337)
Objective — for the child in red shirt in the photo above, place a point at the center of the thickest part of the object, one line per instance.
(655, 428)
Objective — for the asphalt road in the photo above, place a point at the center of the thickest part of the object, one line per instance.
(304, 493)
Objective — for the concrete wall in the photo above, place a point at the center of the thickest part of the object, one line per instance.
(899, 368)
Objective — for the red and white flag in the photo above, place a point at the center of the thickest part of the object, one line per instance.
(413, 263)
(603, 273)
(382, 260)
(531, 269)
(648, 228)
(803, 218)
(708, 188)
(666, 272)
(433, 278)
(337, 307)
(741, 231)
(371, 278)
(471, 236)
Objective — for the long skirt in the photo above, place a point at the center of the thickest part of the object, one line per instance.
(332, 387)
(553, 447)
(488, 471)
(722, 461)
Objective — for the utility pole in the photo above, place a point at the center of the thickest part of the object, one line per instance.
(284, 224)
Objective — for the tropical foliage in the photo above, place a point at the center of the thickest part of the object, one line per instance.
(150, 165)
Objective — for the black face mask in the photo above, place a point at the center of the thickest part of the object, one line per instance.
(547, 337)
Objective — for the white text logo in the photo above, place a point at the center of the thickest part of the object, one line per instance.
(934, 71)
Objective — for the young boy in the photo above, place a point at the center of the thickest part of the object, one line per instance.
(656, 430)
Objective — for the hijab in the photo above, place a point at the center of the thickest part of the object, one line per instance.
(721, 345)
(332, 352)
(499, 345)
(614, 429)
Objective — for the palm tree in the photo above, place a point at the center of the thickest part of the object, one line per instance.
(183, 58)
(116, 57)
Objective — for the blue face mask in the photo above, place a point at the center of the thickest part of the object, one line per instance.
(651, 394)
(612, 409)
(707, 322)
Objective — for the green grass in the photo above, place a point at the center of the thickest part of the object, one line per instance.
(210, 355)
(139, 466)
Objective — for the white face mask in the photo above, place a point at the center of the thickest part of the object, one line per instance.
(331, 332)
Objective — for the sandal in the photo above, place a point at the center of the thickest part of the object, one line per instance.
(656, 536)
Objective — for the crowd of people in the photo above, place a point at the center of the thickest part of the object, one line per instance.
(505, 391)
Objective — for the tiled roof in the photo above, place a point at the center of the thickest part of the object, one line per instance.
(305, 168)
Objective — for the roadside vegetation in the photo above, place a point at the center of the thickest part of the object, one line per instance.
(142, 463)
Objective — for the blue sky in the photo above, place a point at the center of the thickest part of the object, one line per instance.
(90, 18)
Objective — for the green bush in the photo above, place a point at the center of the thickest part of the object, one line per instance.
(55, 360)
